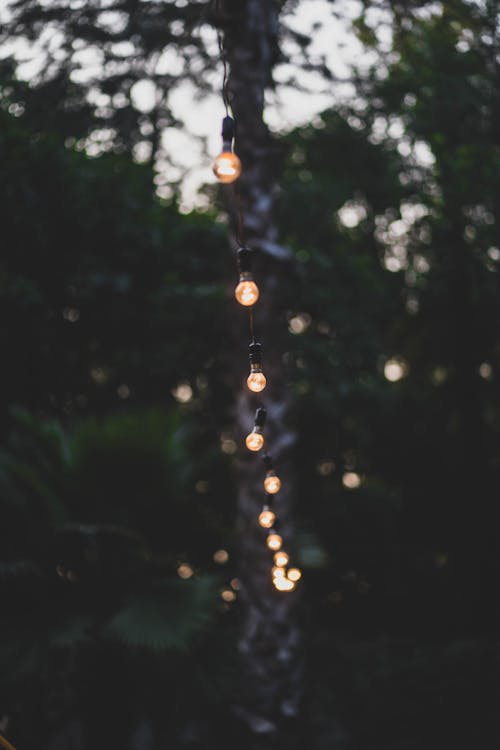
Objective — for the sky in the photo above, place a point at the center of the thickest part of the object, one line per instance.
(286, 107)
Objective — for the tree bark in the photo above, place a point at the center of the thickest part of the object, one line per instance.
(270, 640)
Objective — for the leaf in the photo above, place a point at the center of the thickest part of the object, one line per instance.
(166, 617)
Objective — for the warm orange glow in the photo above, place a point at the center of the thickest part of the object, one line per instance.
(281, 559)
(274, 542)
(256, 381)
(278, 572)
(183, 393)
(283, 584)
(395, 369)
(254, 441)
(221, 556)
(272, 483)
(228, 595)
(351, 480)
(227, 167)
(294, 574)
(247, 293)
(185, 571)
(266, 519)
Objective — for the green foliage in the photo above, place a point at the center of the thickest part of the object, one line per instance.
(165, 617)
(107, 483)
(86, 581)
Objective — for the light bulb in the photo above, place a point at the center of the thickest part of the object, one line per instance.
(272, 483)
(278, 572)
(274, 541)
(255, 440)
(281, 559)
(294, 574)
(266, 518)
(283, 584)
(256, 381)
(227, 167)
(247, 291)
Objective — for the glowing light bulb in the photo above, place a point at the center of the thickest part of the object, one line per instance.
(227, 167)
(278, 572)
(256, 381)
(283, 584)
(281, 559)
(294, 574)
(272, 483)
(255, 440)
(274, 541)
(247, 291)
(266, 518)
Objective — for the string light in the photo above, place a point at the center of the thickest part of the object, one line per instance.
(227, 169)
(294, 574)
(256, 381)
(274, 540)
(283, 584)
(281, 559)
(227, 166)
(247, 291)
(255, 439)
(272, 483)
(266, 517)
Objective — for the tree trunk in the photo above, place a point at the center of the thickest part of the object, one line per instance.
(270, 638)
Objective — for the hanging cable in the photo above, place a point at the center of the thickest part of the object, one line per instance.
(227, 169)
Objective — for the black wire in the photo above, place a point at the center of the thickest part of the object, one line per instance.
(240, 231)
(237, 192)
(223, 55)
(252, 333)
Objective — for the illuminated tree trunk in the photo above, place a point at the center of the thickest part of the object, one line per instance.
(270, 639)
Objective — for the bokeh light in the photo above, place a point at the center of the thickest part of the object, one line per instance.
(185, 571)
(283, 584)
(221, 556)
(299, 323)
(351, 480)
(294, 574)
(183, 393)
(395, 369)
(281, 559)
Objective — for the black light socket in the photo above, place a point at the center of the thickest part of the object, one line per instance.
(228, 127)
(260, 417)
(255, 353)
(244, 260)
(268, 461)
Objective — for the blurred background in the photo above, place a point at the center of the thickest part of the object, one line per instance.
(119, 579)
